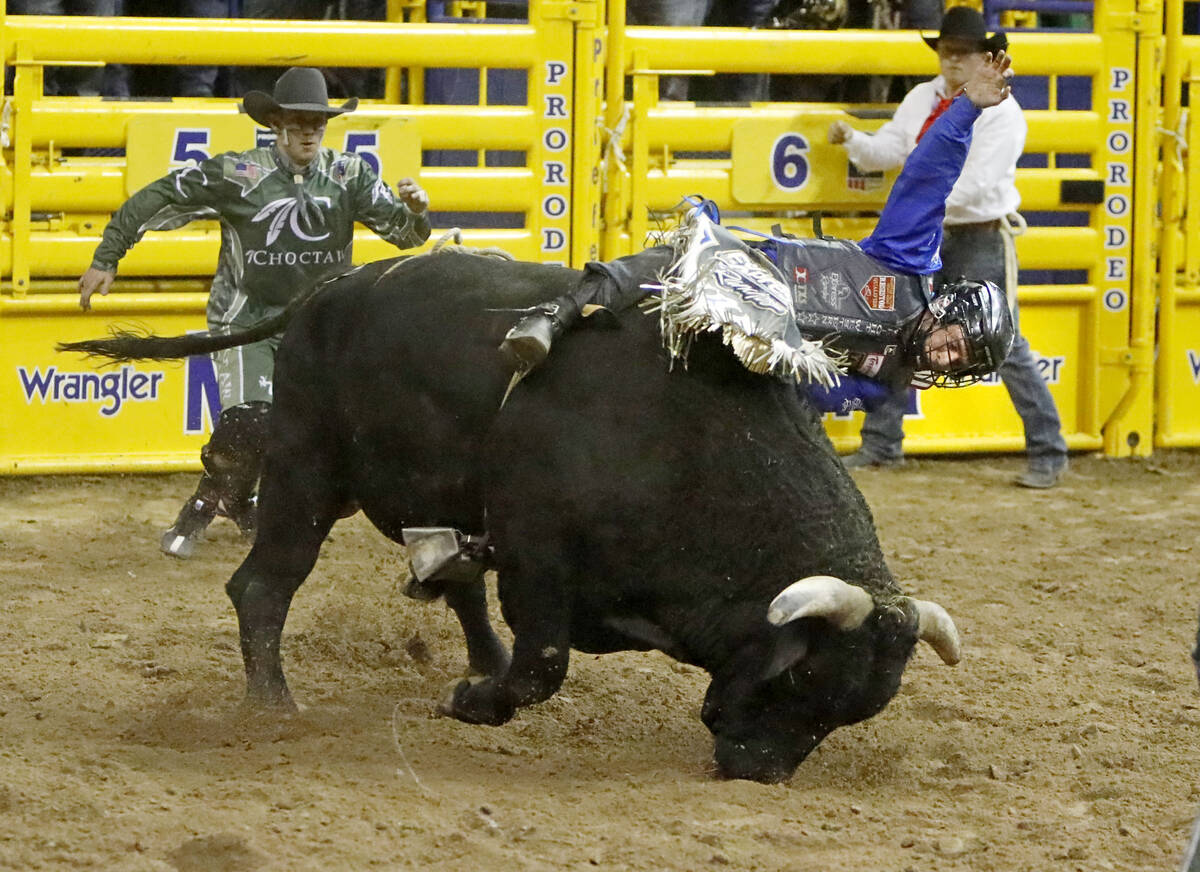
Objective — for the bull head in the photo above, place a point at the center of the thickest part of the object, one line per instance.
(817, 676)
(846, 606)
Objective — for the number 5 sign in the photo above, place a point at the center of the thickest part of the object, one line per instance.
(155, 145)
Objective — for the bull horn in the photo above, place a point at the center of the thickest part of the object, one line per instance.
(846, 606)
(935, 626)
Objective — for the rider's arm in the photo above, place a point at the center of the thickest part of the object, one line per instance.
(909, 232)
(852, 393)
(997, 142)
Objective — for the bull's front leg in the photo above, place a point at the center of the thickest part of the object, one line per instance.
(539, 618)
(261, 611)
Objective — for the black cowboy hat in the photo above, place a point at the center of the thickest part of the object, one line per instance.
(965, 23)
(301, 89)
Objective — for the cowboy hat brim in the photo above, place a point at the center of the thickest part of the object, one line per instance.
(996, 42)
(260, 106)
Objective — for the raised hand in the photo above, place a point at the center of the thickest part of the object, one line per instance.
(840, 132)
(992, 82)
(412, 195)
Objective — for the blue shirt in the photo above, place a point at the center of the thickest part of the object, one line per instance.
(909, 233)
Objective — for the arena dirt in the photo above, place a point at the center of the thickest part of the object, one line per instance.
(1067, 739)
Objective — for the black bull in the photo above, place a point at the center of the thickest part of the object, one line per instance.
(630, 506)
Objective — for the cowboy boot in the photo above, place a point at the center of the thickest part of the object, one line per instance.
(528, 343)
(179, 540)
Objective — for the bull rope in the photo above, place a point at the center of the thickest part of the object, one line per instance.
(450, 242)
(400, 748)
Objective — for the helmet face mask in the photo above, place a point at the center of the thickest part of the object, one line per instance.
(965, 335)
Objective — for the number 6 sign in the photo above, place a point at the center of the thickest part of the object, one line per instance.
(789, 162)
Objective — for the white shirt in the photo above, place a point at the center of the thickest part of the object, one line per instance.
(986, 189)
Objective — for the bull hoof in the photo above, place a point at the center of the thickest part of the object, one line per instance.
(474, 702)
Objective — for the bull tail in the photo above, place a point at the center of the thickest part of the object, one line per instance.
(122, 346)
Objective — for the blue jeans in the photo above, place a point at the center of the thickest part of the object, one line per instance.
(980, 254)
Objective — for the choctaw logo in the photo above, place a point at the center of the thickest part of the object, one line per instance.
(880, 293)
(286, 211)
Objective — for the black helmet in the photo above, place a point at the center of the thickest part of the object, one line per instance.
(981, 310)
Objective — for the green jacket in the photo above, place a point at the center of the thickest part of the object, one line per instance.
(280, 232)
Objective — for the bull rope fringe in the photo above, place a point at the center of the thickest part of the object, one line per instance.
(687, 309)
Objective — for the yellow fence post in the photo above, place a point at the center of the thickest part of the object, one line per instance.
(645, 95)
(1191, 222)
(1132, 32)
(27, 84)
(404, 10)
(585, 175)
(1177, 374)
(615, 206)
(1172, 218)
(552, 97)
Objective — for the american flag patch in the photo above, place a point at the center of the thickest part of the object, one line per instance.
(246, 170)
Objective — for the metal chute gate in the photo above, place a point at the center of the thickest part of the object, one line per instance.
(584, 177)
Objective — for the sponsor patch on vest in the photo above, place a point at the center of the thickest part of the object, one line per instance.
(880, 293)
(834, 289)
(800, 276)
(871, 364)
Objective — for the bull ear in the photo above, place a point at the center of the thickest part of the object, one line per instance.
(791, 646)
(935, 626)
(844, 605)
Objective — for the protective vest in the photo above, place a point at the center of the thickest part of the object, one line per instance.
(852, 301)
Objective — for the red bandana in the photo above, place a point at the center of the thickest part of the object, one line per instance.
(942, 105)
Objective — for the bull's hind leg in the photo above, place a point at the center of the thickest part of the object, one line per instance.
(536, 608)
(486, 654)
(298, 504)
